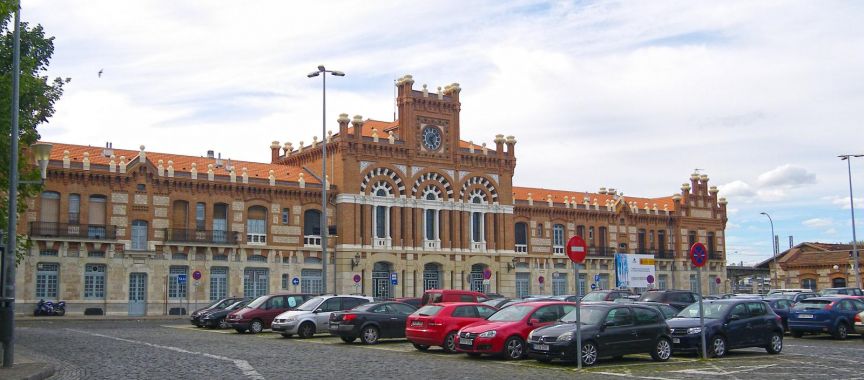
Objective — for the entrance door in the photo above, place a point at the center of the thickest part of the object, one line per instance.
(137, 294)
(381, 285)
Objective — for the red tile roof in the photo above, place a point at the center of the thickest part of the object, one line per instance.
(540, 194)
(182, 163)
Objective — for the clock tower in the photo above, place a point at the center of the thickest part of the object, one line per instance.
(429, 122)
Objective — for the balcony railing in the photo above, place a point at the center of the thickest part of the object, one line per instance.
(665, 255)
(433, 245)
(715, 256)
(188, 235)
(478, 246)
(77, 231)
(312, 240)
(557, 249)
(601, 251)
(381, 242)
(256, 239)
(521, 248)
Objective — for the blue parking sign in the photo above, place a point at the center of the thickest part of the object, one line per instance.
(295, 281)
(394, 278)
(181, 278)
(593, 286)
(596, 278)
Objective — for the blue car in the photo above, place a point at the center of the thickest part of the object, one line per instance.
(831, 315)
(729, 323)
(781, 307)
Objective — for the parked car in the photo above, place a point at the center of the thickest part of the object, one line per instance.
(678, 299)
(667, 311)
(218, 318)
(568, 298)
(606, 295)
(504, 333)
(859, 323)
(413, 301)
(438, 324)
(371, 322)
(497, 303)
(195, 317)
(841, 291)
(493, 295)
(791, 290)
(258, 314)
(729, 324)
(313, 316)
(451, 295)
(795, 297)
(781, 307)
(607, 330)
(833, 315)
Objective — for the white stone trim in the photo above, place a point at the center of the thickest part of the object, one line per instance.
(403, 202)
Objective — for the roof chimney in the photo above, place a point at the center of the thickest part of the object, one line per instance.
(219, 160)
(109, 149)
(210, 154)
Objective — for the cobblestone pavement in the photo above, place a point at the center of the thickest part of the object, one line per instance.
(170, 349)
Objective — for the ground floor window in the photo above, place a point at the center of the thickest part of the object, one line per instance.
(218, 283)
(838, 282)
(47, 275)
(311, 281)
(694, 283)
(712, 285)
(559, 284)
(431, 276)
(476, 278)
(523, 285)
(808, 283)
(255, 282)
(177, 280)
(94, 281)
(582, 283)
(662, 281)
(604, 281)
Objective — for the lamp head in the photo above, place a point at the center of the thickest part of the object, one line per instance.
(337, 73)
(313, 74)
(764, 213)
(320, 67)
(42, 154)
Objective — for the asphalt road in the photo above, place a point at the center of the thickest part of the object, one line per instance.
(173, 349)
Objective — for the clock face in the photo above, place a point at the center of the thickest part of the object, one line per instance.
(431, 138)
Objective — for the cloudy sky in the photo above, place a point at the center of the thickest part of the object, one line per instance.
(762, 95)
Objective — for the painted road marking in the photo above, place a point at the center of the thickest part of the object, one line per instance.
(242, 365)
(193, 328)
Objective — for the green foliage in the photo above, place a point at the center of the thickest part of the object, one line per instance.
(37, 96)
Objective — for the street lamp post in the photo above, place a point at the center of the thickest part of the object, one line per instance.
(774, 250)
(324, 226)
(848, 159)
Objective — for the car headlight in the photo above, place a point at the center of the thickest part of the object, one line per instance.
(694, 330)
(488, 334)
(565, 337)
(531, 335)
(289, 319)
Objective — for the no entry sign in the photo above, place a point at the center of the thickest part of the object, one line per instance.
(698, 255)
(577, 249)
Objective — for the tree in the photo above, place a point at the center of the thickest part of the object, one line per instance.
(38, 94)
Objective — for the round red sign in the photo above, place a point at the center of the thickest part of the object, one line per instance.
(577, 249)
(698, 255)
(541, 279)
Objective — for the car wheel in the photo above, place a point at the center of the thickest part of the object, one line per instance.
(841, 332)
(369, 335)
(420, 347)
(240, 331)
(450, 342)
(306, 330)
(514, 348)
(589, 354)
(662, 350)
(348, 339)
(223, 324)
(775, 345)
(256, 326)
(717, 348)
(797, 334)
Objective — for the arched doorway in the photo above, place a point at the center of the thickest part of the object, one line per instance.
(838, 282)
(476, 278)
(432, 276)
(381, 286)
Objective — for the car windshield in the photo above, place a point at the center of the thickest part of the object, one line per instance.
(587, 315)
(594, 297)
(832, 291)
(311, 304)
(780, 296)
(219, 303)
(651, 296)
(236, 305)
(710, 310)
(493, 302)
(811, 304)
(257, 302)
(511, 313)
(428, 310)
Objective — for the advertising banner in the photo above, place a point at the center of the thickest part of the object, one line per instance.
(634, 271)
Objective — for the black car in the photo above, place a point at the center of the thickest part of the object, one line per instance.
(667, 311)
(608, 330)
(678, 299)
(216, 318)
(732, 323)
(371, 322)
(194, 318)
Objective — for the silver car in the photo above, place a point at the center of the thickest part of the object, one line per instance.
(313, 316)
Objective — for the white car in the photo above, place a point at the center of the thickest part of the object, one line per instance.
(313, 316)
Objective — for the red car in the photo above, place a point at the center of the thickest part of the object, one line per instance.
(438, 324)
(504, 333)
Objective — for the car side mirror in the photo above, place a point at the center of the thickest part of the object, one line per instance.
(606, 324)
(318, 310)
(734, 317)
(533, 321)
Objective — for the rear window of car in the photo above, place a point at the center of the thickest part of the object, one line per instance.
(651, 296)
(466, 298)
(811, 304)
(429, 310)
(432, 298)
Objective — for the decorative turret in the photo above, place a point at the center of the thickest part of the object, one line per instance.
(390, 138)
(499, 144)
(210, 172)
(530, 200)
(357, 123)
(245, 175)
(301, 181)
(343, 121)
(274, 152)
(160, 169)
(142, 155)
(170, 169)
(86, 161)
(66, 161)
(511, 146)
(288, 148)
(566, 202)
(272, 177)
(112, 166)
(549, 200)
(194, 171)
(122, 165)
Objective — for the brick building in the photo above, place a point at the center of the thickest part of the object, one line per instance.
(409, 200)
(813, 265)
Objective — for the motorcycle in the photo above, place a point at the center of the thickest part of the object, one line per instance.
(50, 308)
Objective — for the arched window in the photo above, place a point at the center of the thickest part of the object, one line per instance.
(431, 222)
(558, 239)
(521, 235)
(477, 236)
(312, 228)
(256, 225)
(381, 222)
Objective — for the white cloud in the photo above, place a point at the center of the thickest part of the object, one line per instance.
(736, 188)
(843, 202)
(818, 222)
(787, 175)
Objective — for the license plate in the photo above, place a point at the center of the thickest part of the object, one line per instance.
(417, 323)
(541, 347)
(805, 316)
(466, 341)
(676, 340)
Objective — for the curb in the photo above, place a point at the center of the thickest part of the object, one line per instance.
(25, 372)
(102, 318)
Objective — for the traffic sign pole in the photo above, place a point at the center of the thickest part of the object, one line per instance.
(578, 323)
(701, 312)
(576, 250)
